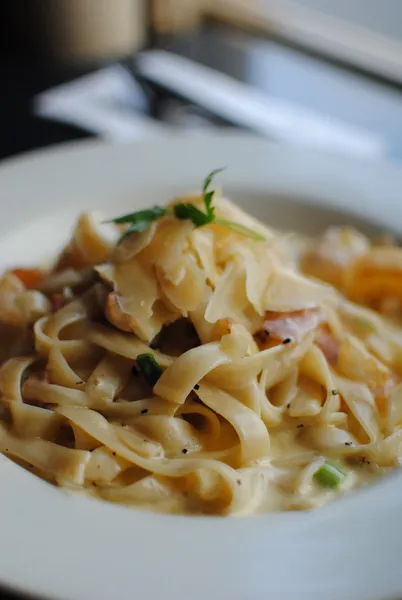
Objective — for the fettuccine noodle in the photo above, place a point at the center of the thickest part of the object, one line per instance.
(275, 365)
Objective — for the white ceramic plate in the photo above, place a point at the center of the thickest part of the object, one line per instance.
(72, 548)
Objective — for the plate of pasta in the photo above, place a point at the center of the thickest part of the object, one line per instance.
(200, 372)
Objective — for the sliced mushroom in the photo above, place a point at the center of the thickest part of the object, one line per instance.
(376, 277)
(134, 304)
(91, 244)
(328, 257)
(19, 306)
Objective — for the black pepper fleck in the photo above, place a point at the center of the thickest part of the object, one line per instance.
(238, 481)
(288, 405)
(300, 426)
(196, 387)
(287, 341)
(184, 450)
(364, 461)
(348, 443)
(144, 411)
(334, 392)
(262, 336)
(114, 453)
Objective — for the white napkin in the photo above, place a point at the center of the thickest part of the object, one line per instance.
(251, 108)
(110, 103)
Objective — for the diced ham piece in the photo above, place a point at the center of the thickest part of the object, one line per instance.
(381, 392)
(293, 326)
(31, 278)
(327, 344)
(60, 299)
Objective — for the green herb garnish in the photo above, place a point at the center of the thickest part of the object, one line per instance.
(140, 220)
(194, 214)
(240, 229)
(208, 179)
(329, 475)
(149, 367)
(141, 216)
(363, 324)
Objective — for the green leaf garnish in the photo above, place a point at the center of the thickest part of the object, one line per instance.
(191, 213)
(140, 220)
(194, 214)
(150, 368)
(141, 216)
(240, 229)
(138, 226)
(210, 211)
(208, 179)
(361, 323)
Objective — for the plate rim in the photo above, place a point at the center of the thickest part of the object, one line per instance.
(286, 532)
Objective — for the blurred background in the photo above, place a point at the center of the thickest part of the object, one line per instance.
(322, 73)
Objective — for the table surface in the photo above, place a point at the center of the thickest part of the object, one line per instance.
(277, 69)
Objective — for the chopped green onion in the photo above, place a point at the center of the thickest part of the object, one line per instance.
(149, 368)
(329, 475)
